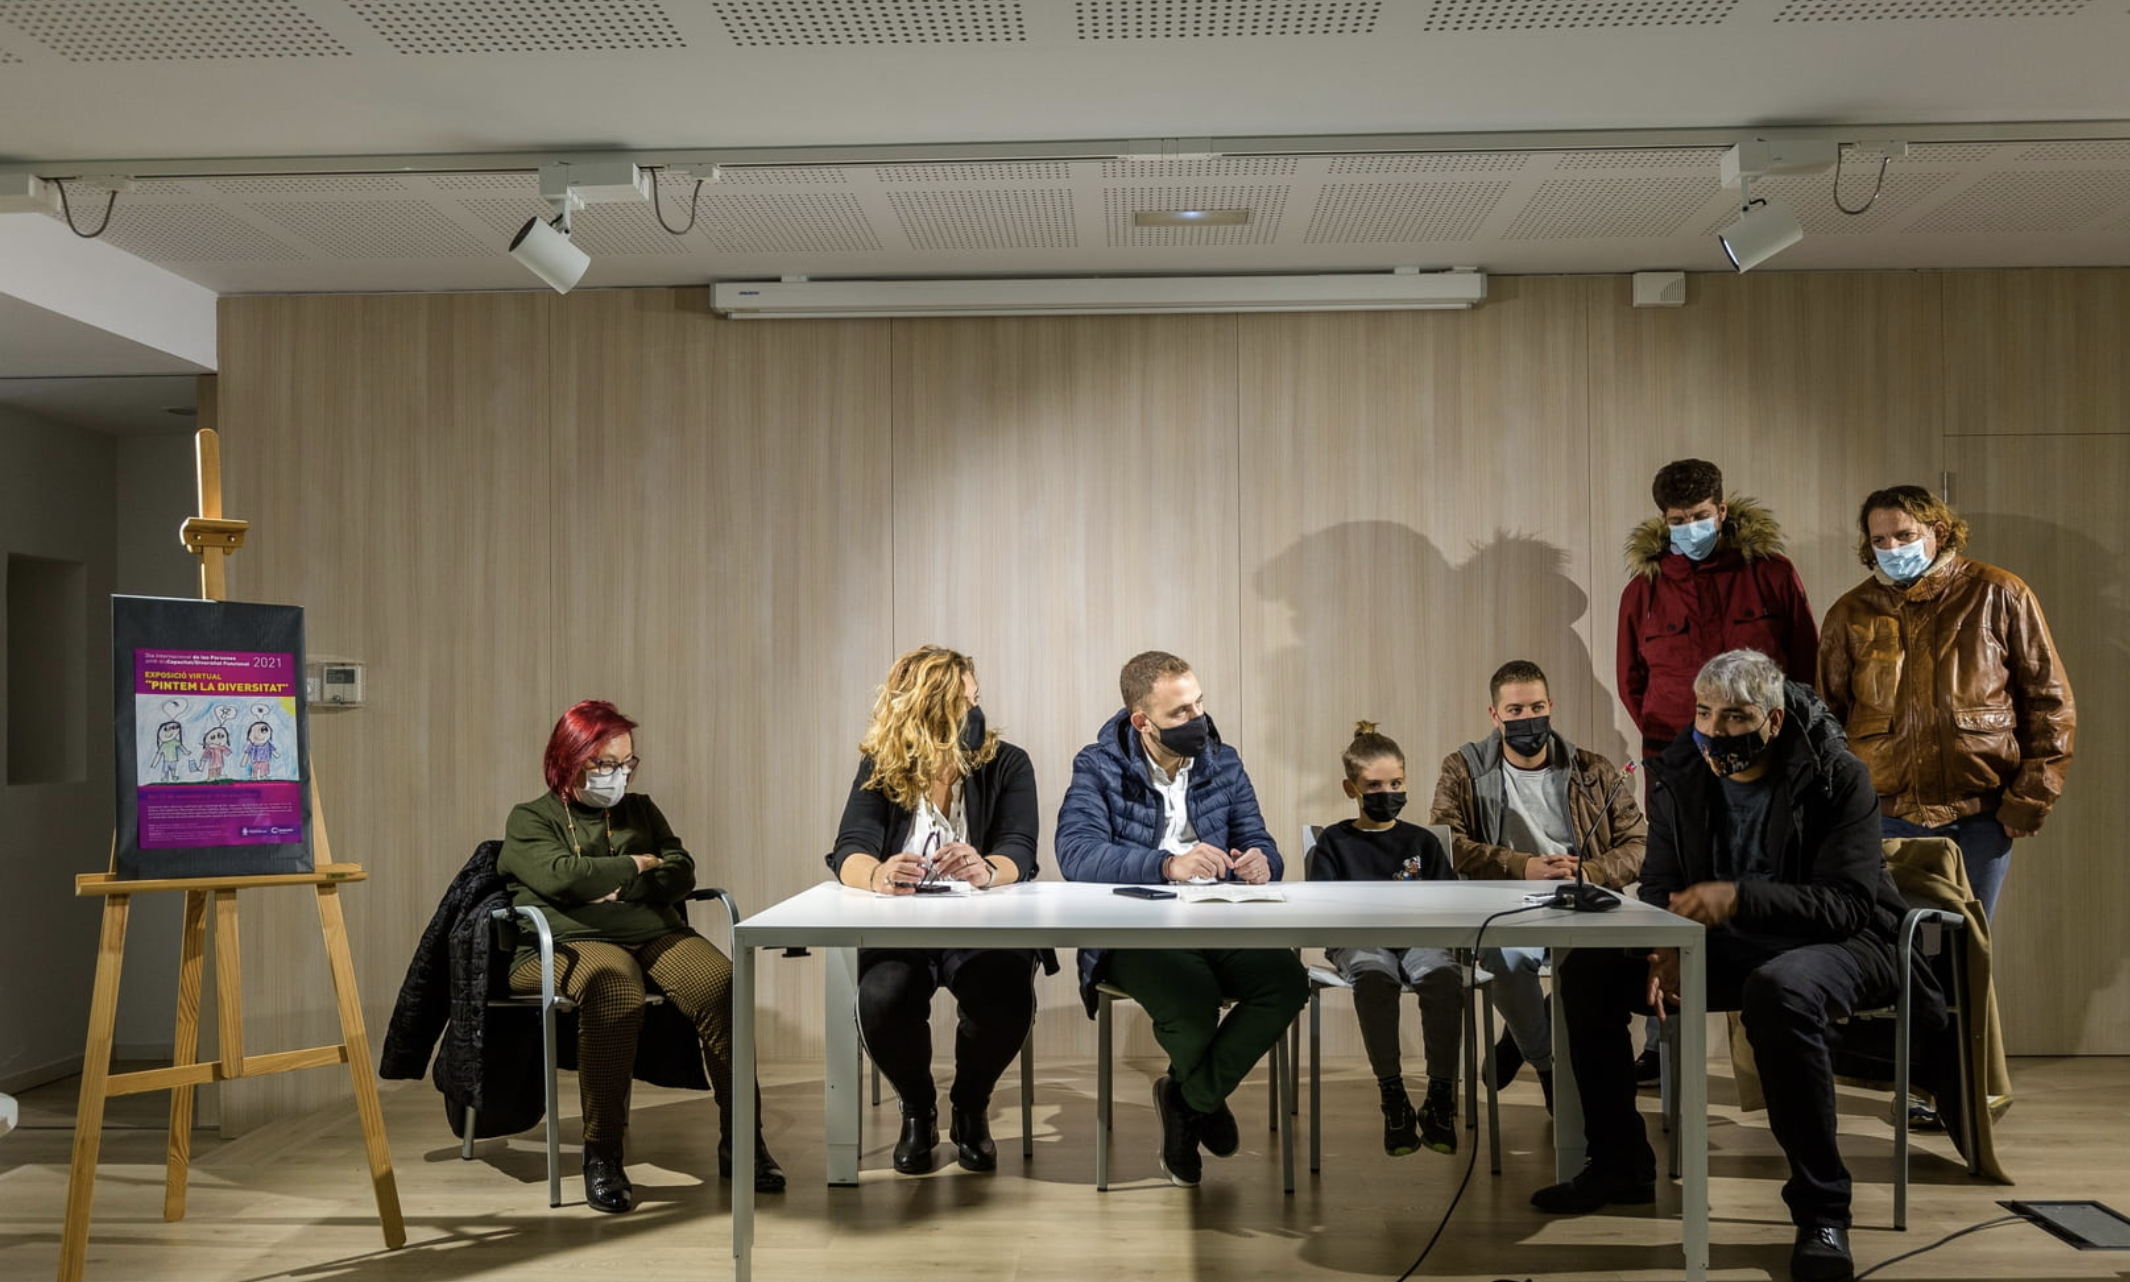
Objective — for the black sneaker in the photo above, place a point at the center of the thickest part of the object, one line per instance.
(1438, 1116)
(1217, 1131)
(1401, 1126)
(1508, 1059)
(1821, 1255)
(1593, 1188)
(1179, 1140)
(1648, 1068)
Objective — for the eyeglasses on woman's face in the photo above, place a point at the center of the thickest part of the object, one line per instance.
(604, 767)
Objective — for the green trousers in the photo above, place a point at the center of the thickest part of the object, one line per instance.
(1182, 991)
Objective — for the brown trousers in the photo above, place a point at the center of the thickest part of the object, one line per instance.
(606, 980)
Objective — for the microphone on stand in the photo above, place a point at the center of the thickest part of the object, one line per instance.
(1580, 896)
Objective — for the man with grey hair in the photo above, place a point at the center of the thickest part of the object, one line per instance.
(1763, 828)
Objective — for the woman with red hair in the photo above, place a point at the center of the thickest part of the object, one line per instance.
(601, 864)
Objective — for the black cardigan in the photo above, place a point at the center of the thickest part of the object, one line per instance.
(999, 799)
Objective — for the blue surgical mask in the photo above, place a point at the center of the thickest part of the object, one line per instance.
(1904, 563)
(1695, 539)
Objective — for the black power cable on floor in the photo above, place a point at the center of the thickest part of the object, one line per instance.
(1471, 1163)
(1956, 1233)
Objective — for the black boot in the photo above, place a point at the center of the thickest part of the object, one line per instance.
(920, 1135)
(1401, 1129)
(606, 1185)
(768, 1176)
(1508, 1059)
(970, 1131)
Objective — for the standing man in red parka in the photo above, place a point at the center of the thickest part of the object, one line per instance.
(1708, 576)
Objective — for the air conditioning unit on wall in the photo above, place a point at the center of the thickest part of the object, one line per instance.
(1099, 296)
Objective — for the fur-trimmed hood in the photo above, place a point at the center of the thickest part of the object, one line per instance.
(1750, 530)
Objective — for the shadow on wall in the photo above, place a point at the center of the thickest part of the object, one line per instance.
(2085, 596)
(1385, 626)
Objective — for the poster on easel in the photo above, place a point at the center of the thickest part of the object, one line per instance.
(213, 738)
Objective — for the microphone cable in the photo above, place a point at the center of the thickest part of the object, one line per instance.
(1472, 1162)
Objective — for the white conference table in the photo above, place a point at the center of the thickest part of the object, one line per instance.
(1057, 914)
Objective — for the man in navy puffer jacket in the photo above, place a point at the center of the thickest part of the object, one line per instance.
(1158, 798)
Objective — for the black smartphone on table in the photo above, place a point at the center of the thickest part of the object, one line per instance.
(1143, 892)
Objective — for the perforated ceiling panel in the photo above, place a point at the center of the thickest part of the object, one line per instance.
(519, 26)
(1198, 19)
(1643, 158)
(1557, 15)
(308, 185)
(1266, 206)
(1447, 162)
(1405, 213)
(160, 187)
(486, 182)
(171, 30)
(6, 57)
(2029, 202)
(1606, 208)
(1811, 198)
(193, 234)
(374, 229)
(755, 23)
(987, 218)
(505, 213)
(1910, 10)
(787, 222)
(2110, 152)
(1212, 167)
(632, 229)
(1055, 171)
(1952, 153)
(783, 176)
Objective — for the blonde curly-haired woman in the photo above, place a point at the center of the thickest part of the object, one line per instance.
(939, 799)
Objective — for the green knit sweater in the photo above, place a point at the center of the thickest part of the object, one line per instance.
(564, 879)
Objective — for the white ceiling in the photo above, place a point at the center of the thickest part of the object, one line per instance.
(36, 343)
(140, 405)
(83, 82)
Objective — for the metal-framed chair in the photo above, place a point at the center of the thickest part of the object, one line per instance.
(1925, 933)
(1478, 1016)
(551, 1005)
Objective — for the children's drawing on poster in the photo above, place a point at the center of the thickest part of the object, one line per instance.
(216, 752)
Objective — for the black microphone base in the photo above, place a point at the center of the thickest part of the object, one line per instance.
(1582, 897)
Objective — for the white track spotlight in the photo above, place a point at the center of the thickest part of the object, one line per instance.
(1764, 229)
(547, 252)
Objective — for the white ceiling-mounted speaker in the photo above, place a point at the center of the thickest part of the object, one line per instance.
(1660, 289)
(1099, 296)
(550, 255)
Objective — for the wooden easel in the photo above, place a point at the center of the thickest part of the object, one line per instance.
(213, 538)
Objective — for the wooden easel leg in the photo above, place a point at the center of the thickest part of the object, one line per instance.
(95, 1076)
(191, 957)
(357, 1042)
(228, 982)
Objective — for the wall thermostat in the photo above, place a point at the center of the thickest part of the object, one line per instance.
(334, 683)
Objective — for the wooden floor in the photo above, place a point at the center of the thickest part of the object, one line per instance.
(292, 1201)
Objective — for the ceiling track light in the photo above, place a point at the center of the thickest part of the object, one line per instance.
(1765, 228)
(544, 246)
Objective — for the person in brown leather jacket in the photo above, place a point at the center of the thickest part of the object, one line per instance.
(1943, 674)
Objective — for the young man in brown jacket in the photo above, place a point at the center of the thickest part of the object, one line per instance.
(1520, 804)
(1943, 674)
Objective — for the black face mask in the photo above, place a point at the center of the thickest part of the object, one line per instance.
(1728, 754)
(1382, 807)
(1188, 739)
(972, 730)
(1527, 736)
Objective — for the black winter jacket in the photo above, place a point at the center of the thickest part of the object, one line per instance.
(489, 1059)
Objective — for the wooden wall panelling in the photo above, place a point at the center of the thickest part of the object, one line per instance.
(721, 571)
(391, 455)
(2035, 352)
(1064, 497)
(1413, 490)
(2049, 509)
